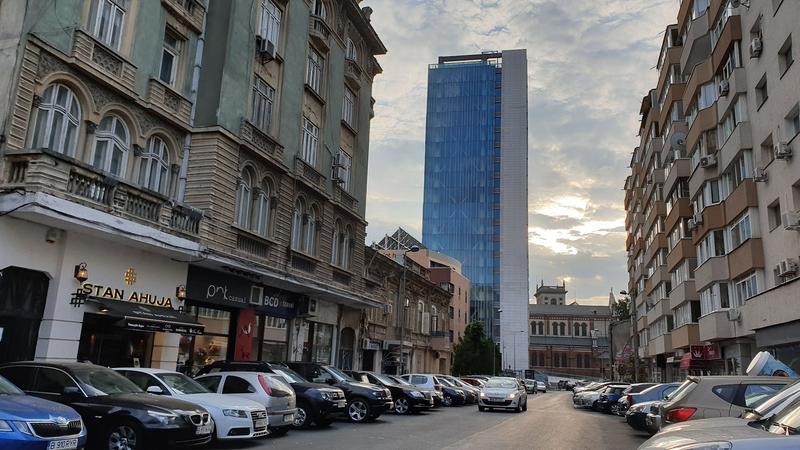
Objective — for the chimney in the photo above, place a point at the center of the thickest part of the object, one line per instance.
(367, 12)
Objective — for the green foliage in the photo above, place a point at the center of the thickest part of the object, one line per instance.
(473, 354)
(621, 309)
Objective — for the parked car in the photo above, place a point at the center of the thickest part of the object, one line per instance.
(717, 396)
(450, 396)
(652, 393)
(435, 395)
(503, 393)
(234, 418)
(588, 397)
(365, 402)
(780, 431)
(115, 411)
(774, 404)
(316, 403)
(28, 422)
(471, 393)
(608, 397)
(622, 404)
(541, 386)
(636, 415)
(407, 398)
(477, 382)
(267, 389)
(530, 386)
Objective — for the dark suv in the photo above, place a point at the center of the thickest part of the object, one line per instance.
(365, 401)
(117, 413)
(406, 398)
(316, 403)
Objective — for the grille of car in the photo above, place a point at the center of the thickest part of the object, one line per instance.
(199, 419)
(258, 415)
(497, 402)
(52, 429)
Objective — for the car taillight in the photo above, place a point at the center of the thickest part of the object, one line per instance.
(265, 385)
(680, 414)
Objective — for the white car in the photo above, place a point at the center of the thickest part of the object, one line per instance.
(268, 389)
(585, 399)
(234, 418)
(541, 386)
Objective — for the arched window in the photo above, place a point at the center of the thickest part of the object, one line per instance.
(310, 239)
(351, 52)
(262, 204)
(576, 329)
(243, 199)
(347, 239)
(434, 319)
(420, 311)
(562, 328)
(336, 244)
(111, 145)
(318, 8)
(541, 328)
(533, 328)
(58, 120)
(297, 224)
(154, 166)
(555, 329)
(583, 330)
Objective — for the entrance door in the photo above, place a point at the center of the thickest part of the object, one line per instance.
(347, 338)
(105, 343)
(23, 294)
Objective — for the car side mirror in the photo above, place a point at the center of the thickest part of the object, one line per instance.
(330, 381)
(71, 391)
(155, 390)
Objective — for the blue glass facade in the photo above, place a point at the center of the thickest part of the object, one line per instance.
(461, 211)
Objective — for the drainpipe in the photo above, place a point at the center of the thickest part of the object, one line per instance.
(187, 142)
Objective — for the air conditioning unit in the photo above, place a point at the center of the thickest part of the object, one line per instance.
(787, 267)
(387, 309)
(760, 175)
(755, 47)
(791, 220)
(266, 49)
(734, 314)
(336, 170)
(724, 88)
(692, 224)
(783, 151)
(698, 218)
(708, 161)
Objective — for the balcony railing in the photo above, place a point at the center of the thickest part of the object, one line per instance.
(89, 51)
(352, 70)
(163, 97)
(345, 199)
(41, 170)
(310, 175)
(261, 142)
(190, 12)
(319, 31)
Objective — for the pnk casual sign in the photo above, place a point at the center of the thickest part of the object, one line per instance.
(129, 295)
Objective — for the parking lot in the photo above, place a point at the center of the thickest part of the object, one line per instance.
(550, 423)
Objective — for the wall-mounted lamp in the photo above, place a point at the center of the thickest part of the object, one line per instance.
(103, 309)
(180, 292)
(81, 272)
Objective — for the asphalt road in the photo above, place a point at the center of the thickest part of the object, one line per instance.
(550, 423)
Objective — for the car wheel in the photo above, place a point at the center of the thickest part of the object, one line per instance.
(518, 409)
(594, 405)
(481, 408)
(124, 436)
(358, 410)
(302, 418)
(447, 401)
(401, 406)
(525, 408)
(615, 409)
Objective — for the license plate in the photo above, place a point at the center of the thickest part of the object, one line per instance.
(204, 429)
(65, 444)
(495, 399)
(288, 417)
(341, 403)
(260, 423)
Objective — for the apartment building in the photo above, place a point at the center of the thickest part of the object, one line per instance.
(712, 195)
(200, 161)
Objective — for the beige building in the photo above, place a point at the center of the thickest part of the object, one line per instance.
(712, 197)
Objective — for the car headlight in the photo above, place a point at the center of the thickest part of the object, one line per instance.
(512, 395)
(235, 413)
(22, 427)
(166, 418)
(377, 394)
(5, 426)
(706, 446)
(483, 394)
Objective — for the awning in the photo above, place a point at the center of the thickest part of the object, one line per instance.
(137, 316)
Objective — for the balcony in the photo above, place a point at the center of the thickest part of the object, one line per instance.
(713, 218)
(95, 56)
(744, 196)
(345, 199)
(641, 323)
(746, 257)
(683, 293)
(310, 175)
(659, 210)
(643, 353)
(40, 170)
(656, 178)
(684, 249)
(660, 345)
(440, 341)
(352, 72)
(715, 269)
(319, 31)
(740, 138)
(680, 168)
(685, 336)
(261, 143)
(658, 243)
(737, 84)
(190, 12)
(659, 310)
(680, 209)
(731, 32)
(169, 103)
(697, 45)
(716, 326)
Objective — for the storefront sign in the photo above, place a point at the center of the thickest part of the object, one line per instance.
(707, 352)
(116, 293)
(208, 286)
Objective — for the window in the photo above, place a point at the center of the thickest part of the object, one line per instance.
(154, 166)
(170, 57)
(211, 383)
(745, 288)
(555, 329)
(583, 329)
(237, 385)
(576, 329)
(262, 204)
(740, 169)
(318, 8)
(351, 52)
(342, 170)
(270, 25)
(774, 215)
(243, 199)
(541, 328)
(714, 298)
(734, 117)
(310, 141)
(562, 329)
(263, 99)
(106, 19)
(792, 123)
(297, 225)
(310, 239)
(57, 120)
(741, 231)
(785, 56)
(684, 272)
(349, 107)
(761, 91)
(111, 146)
(314, 70)
(754, 394)
(713, 244)
(52, 381)
(726, 392)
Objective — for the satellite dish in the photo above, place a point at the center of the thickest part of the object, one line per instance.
(678, 141)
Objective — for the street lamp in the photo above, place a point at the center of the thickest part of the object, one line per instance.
(403, 298)
(635, 338)
(494, 348)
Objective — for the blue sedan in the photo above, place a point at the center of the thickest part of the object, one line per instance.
(31, 423)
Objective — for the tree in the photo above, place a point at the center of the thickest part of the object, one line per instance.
(621, 308)
(473, 353)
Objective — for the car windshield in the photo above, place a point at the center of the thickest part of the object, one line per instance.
(445, 381)
(682, 390)
(7, 388)
(400, 381)
(501, 384)
(98, 381)
(182, 384)
(383, 378)
(766, 407)
(529, 382)
(786, 421)
(338, 374)
(289, 375)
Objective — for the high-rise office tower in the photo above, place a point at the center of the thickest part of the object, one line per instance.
(476, 186)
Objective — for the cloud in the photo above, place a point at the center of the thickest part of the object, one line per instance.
(589, 65)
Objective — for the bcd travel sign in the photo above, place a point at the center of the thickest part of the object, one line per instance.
(208, 286)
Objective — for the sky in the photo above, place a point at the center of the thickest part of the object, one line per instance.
(590, 62)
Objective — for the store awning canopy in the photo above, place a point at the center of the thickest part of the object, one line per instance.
(137, 316)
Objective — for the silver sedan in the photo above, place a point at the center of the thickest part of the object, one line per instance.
(503, 393)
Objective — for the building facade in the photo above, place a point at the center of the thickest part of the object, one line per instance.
(202, 162)
(551, 295)
(711, 198)
(475, 196)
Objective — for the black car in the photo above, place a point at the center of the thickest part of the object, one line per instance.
(453, 396)
(365, 402)
(316, 403)
(117, 413)
(406, 398)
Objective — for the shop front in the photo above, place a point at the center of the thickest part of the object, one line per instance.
(244, 320)
(782, 341)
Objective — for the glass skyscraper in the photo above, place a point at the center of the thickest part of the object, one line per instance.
(475, 204)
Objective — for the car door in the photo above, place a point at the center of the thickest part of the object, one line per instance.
(212, 383)
(50, 383)
(240, 387)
